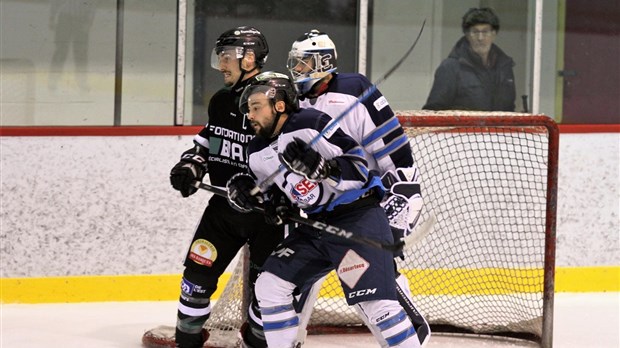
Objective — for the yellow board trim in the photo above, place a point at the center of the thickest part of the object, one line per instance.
(588, 279)
(95, 288)
(166, 287)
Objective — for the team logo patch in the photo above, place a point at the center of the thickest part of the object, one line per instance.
(203, 252)
(351, 268)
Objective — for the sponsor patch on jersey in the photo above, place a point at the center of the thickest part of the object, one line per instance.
(335, 101)
(351, 268)
(305, 192)
(203, 252)
(187, 287)
(380, 103)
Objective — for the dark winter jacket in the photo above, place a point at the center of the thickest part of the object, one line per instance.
(463, 83)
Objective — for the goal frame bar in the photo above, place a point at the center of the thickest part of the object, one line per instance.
(521, 120)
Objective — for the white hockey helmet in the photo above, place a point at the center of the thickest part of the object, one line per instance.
(312, 57)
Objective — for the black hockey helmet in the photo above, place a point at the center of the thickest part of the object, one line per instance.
(275, 86)
(241, 39)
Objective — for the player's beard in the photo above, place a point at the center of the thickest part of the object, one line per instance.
(263, 130)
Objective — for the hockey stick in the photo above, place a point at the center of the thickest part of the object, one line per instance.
(362, 97)
(414, 238)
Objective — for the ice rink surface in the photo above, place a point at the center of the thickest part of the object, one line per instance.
(580, 321)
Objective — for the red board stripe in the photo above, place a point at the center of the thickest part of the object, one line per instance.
(191, 130)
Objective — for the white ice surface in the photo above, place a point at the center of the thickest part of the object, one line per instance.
(581, 320)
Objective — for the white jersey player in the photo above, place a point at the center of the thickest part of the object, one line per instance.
(327, 177)
(312, 63)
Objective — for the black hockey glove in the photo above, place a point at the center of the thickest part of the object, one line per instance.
(240, 195)
(277, 208)
(300, 158)
(192, 167)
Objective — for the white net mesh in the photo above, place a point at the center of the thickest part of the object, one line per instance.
(230, 311)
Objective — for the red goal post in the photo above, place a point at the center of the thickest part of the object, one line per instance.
(488, 267)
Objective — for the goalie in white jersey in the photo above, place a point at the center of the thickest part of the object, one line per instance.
(321, 170)
(312, 63)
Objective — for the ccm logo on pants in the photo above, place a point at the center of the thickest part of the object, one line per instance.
(362, 292)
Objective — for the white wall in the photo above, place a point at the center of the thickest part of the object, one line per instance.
(45, 98)
(104, 206)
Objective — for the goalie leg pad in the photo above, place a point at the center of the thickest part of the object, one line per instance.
(374, 330)
(280, 321)
(405, 299)
(389, 318)
(305, 305)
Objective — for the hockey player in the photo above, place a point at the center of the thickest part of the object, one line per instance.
(220, 150)
(331, 182)
(312, 64)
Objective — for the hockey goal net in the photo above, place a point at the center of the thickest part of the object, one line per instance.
(488, 266)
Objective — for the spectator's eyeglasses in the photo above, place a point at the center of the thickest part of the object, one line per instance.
(483, 33)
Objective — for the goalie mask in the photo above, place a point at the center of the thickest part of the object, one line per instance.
(234, 43)
(312, 57)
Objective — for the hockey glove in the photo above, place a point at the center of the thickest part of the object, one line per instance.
(192, 167)
(240, 195)
(277, 208)
(300, 158)
(403, 201)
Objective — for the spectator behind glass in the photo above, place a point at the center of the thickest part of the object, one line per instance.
(477, 75)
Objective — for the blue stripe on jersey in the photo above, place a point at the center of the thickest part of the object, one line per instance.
(386, 324)
(393, 146)
(400, 337)
(277, 309)
(381, 131)
(356, 155)
(279, 325)
(356, 152)
(351, 196)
